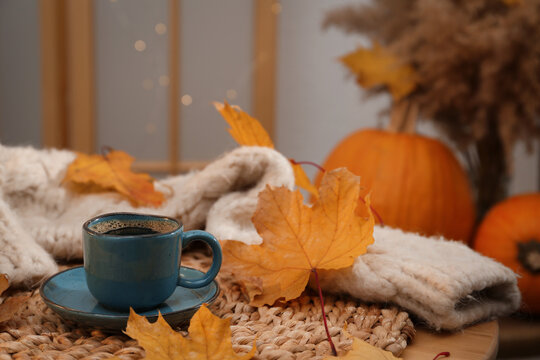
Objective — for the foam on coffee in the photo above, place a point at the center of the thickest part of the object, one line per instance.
(106, 226)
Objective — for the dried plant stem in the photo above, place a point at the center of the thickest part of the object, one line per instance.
(403, 117)
(334, 351)
(492, 178)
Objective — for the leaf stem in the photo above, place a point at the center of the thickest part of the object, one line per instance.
(321, 169)
(379, 218)
(332, 346)
(445, 353)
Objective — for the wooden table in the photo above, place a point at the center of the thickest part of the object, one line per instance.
(477, 342)
(519, 336)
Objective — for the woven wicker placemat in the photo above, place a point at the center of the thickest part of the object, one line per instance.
(286, 331)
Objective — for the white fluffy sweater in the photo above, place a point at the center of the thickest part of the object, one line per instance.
(444, 283)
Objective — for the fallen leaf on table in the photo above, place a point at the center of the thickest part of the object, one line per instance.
(299, 239)
(248, 131)
(11, 305)
(112, 171)
(378, 67)
(209, 338)
(362, 350)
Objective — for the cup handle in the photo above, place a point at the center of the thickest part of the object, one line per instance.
(194, 235)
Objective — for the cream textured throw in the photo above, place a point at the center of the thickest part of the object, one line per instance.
(444, 283)
(38, 215)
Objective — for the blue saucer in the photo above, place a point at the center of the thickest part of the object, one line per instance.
(66, 294)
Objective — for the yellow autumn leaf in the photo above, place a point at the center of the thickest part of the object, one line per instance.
(301, 179)
(378, 67)
(12, 304)
(245, 129)
(112, 171)
(209, 338)
(299, 239)
(362, 350)
(248, 131)
(4, 283)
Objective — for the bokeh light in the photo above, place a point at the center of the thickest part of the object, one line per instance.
(160, 28)
(139, 45)
(187, 100)
(164, 80)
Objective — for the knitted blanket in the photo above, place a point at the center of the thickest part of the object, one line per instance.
(444, 283)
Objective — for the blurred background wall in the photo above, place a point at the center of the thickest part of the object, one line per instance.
(316, 102)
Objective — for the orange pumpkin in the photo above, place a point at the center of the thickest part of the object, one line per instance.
(416, 183)
(510, 233)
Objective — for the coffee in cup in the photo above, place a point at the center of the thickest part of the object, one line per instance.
(133, 260)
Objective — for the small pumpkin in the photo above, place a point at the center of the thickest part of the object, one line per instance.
(510, 233)
(415, 181)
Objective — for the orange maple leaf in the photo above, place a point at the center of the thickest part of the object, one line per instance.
(245, 129)
(248, 131)
(378, 67)
(209, 338)
(112, 171)
(298, 239)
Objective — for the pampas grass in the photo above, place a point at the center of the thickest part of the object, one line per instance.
(478, 66)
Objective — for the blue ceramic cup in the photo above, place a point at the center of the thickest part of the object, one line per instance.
(133, 260)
